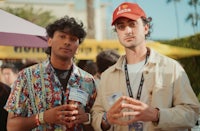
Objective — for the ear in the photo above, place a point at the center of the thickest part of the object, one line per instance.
(49, 41)
(146, 29)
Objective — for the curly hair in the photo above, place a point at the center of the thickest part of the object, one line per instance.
(147, 21)
(68, 25)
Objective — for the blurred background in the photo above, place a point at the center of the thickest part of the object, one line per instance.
(176, 29)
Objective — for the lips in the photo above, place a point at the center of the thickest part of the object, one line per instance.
(129, 38)
(66, 49)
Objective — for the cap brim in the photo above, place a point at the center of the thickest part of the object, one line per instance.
(126, 15)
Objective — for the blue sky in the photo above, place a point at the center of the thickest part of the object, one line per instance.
(164, 20)
(163, 14)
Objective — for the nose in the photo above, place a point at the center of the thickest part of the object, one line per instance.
(67, 42)
(128, 30)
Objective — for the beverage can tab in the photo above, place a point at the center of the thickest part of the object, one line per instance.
(78, 95)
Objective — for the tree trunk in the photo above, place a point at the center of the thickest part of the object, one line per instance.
(90, 19)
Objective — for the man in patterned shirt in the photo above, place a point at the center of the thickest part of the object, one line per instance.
(55, 94)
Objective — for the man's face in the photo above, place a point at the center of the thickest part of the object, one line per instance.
(8, 76)
(131, 33)
(63, 45)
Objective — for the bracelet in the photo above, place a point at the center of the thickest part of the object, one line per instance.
(89, 119)
(41, 118)
(158, 116)
(105, 125)
(105, 118)
(37, 119)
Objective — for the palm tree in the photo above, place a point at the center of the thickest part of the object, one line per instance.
(194, 17)
(176, 14)
(90, 19)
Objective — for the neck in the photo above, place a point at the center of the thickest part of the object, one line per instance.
(134, 56)
(61, 64)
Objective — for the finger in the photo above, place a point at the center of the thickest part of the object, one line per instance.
(130, 113)
(69, 107)
(78, 119)
(62, 120)
(116, 107)
(124, 114)
(69, 118)
(115, 115)
(65, 120)
(123, 121)
(130, 106)
(66, 107)
(69, 113)
(131, 101)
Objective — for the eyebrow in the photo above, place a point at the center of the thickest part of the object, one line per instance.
(122, 21)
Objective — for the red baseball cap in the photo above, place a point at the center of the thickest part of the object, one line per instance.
(129, 10)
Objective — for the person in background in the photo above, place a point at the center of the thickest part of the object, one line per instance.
(4, 93)
(9, 73)
(28, 63)
(144, 90)
(88, 66)
(54, 94)
(104, 60)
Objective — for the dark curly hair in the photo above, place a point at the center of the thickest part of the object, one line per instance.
(147, 21)
(69, 25)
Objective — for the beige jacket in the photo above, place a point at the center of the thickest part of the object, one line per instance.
(166, 86)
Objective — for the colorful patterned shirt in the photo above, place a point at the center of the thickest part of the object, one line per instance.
(38, 88)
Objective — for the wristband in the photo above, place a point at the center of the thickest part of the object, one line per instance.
(37, 119)
(105, 125)
(41, 118)
(155, 123)
(105, 118)
(89, 119)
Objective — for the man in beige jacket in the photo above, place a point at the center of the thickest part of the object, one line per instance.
(144, 90)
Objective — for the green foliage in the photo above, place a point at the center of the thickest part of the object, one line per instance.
(192, 68)
(191, 64)
(39, 17)
(187, 42)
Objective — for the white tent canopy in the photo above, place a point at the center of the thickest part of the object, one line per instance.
(13, 24)
(15, 31)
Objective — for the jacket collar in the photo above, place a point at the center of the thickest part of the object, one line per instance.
(153, 59)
